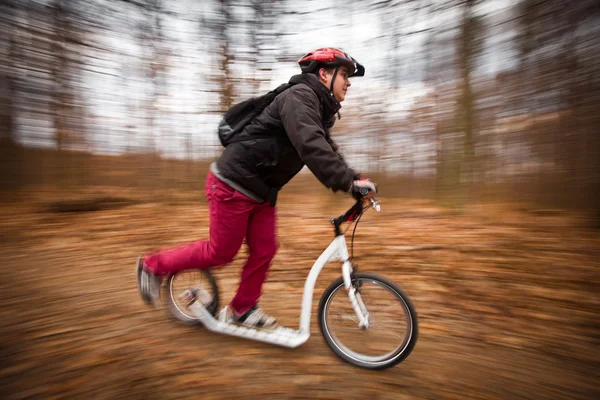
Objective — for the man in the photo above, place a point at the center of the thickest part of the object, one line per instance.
(243, 183)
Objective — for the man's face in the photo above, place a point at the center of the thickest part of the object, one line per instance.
(341, 85)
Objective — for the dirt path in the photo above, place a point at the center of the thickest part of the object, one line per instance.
(508, 307)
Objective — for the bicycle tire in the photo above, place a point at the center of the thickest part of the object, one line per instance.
(351, 357)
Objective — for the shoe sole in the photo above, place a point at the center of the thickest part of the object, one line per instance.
(139, 270)
(263, 328)
(223, 316)
(241, 323)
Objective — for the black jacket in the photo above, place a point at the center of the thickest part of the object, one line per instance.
(295, 127)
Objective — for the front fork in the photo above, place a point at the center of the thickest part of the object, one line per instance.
(355, 298)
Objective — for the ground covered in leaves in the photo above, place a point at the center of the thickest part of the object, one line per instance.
(508, 304)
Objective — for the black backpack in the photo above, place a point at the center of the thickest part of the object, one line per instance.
(241, 114)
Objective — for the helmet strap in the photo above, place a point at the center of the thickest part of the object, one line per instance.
(333, 79)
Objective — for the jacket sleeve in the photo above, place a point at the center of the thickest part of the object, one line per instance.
(299, 112)
(335, 147)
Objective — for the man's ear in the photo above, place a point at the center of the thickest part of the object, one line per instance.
(323, 74)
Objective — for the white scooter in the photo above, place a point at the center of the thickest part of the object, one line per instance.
(371, 323)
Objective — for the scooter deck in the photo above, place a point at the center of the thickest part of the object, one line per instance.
(281, 336)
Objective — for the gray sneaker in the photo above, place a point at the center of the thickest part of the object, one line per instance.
(148, 284)
(254, 318)
(189, 296)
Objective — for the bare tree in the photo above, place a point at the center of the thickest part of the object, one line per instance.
(10, 153)
(63, 92)
(263, 40)
(467, 51)
(7, 78)
(226, 82)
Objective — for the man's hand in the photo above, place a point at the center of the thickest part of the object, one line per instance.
(362, 188)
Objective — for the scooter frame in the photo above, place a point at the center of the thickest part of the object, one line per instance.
(287, 337)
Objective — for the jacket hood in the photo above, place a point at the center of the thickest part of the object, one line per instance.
(330, 104)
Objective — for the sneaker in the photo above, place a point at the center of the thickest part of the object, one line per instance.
(148, 284)
(186, 298)
(254, 318)
(189, 296)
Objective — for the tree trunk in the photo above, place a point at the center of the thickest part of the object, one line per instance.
(466, 103)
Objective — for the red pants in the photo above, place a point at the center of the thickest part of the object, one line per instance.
(233, 216)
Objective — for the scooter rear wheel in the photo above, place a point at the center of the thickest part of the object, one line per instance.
(185, 287)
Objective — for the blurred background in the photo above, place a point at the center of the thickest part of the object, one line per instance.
(113, 105)
(463, 101)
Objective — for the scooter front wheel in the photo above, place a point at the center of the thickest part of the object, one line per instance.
(392, 330)
(185, 287)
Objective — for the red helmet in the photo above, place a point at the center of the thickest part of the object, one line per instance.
(330, 57)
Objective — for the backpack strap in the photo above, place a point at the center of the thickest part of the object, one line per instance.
(267, 99)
